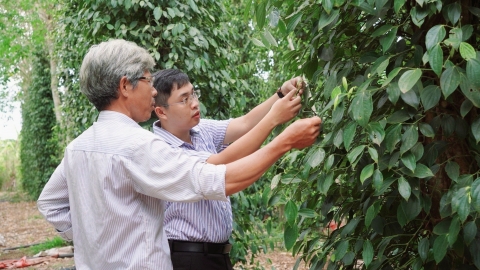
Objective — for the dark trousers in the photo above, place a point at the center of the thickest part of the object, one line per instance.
(182, 260)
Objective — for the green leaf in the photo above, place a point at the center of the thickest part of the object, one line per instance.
(475, 194)
(434, 36)
(473, 94)
(308, 213)
(257, 42)
(377, 179)
(326, 19)
(426, 130)
(453, 170)
(316, 157)
(376, 132)
(355, 153)
(398, 117)
(398, 4)
(476, 129)
(329, 162)
(290, 235)
(393, 92)
(380, 65)
(430, 96)
(275, 181)
(467, 51)
(449, 80)
(350, 226)
(442, 227)
(261, 14)
(372, 212)
(387, 40)
(373, 154)
(435, 58)
(423, 248)
(323, 184)
(362, 108)
(467, 105)
(392, 136)
(293, 21)
(409, 79)
(454, 11)
(440, 248)
(367, 253)
(391, 76)
(409, 161)
(461, 203)
(453, 231)
(422, 171)
(367, 171)
(268, 36)
(349, 134)
(411, 99)
(341, 250)
(404, 188)
(291, 212)
(473, 72)
(409, 139)
(157, 13)
(381, 30)
(469, 232)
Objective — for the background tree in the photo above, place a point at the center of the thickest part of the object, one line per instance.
(397, 85)
(209, 40)
(38, 146)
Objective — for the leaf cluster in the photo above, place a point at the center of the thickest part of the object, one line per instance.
(397, 168)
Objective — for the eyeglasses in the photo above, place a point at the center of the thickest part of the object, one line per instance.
(187, 100)
(149, 79)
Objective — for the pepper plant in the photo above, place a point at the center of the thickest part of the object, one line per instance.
(396, 170)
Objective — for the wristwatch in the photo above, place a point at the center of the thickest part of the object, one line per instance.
(279, 92)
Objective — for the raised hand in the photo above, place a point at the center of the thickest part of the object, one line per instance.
(302, 133)
(285, 109)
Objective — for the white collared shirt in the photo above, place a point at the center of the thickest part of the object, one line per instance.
(107, 194)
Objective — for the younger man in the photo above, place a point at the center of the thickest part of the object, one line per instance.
(198, 232)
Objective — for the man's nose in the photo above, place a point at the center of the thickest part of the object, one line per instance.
(154, 92)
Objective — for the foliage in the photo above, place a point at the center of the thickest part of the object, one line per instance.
(397, 85)
(38, 146)
(9, 161)
(56, 241)
(206, 39)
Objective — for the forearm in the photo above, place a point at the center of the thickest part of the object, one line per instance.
(243, 172)
(241, 125)
(247, 144)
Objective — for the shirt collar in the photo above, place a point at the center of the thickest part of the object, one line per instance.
(106, 116)
(169, 137)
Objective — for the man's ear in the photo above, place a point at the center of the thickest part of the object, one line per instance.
(160, 112)
(124, 85)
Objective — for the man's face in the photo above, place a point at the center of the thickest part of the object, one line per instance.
(183, 108)
(142, 100)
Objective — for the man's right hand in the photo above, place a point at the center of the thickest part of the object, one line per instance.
(285, 109)
(302, 133)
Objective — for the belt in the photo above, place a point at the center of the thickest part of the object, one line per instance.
(199, 247)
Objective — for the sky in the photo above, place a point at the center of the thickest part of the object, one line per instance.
(11, 123)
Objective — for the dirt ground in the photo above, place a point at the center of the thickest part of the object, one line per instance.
(21, 224)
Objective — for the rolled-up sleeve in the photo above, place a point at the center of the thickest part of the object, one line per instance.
(170, 174)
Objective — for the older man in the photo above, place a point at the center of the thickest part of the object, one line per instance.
(107, 193)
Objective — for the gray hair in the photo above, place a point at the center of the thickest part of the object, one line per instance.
(106, 63)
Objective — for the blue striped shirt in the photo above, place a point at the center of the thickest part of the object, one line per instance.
(108, 194)
(205, 220)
